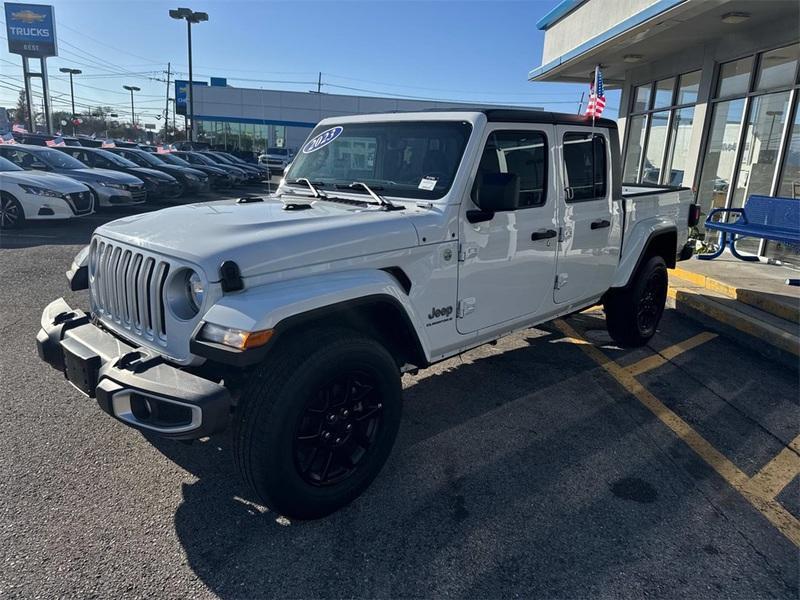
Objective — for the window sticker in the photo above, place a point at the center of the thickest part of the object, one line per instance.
(323, 139)
(427, 183)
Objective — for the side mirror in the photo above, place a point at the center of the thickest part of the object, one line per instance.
(494, 192)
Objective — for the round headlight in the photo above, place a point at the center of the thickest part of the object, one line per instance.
(196, 290)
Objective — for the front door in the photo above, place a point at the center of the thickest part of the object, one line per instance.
(590, 218)
(507, 263)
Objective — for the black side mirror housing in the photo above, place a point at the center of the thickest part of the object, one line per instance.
(497, 192)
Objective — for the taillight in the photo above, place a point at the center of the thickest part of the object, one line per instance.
(694, 215)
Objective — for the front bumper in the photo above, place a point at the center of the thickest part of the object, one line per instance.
(133, 385)
(109, 196)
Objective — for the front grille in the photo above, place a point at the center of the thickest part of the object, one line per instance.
(138, 192)
(128, 289)
(80, 202)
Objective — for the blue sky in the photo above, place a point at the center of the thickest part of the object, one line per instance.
(454, 50)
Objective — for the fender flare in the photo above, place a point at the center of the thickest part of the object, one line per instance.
(282, 304)
(632, 257)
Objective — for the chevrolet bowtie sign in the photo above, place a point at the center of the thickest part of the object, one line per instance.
(31, 30)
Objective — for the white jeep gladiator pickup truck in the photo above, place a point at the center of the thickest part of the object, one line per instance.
(394, 241)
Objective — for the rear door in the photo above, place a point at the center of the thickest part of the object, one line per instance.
(506, 264)
(590, 218)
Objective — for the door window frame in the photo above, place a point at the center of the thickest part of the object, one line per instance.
(606, 171)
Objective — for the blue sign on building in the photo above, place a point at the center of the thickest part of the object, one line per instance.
(182, 95)
(31, 30)
(219, 82)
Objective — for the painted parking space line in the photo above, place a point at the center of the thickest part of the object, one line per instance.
(666, 355)
(757, 491)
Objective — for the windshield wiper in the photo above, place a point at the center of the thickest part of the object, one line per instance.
(314, 187)
(371, 191)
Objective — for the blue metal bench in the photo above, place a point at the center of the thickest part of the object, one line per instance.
(765, 217)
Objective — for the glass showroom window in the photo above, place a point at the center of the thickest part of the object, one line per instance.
(748, 149)
(659, 130)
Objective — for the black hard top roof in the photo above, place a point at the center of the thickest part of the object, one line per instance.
(524, 115)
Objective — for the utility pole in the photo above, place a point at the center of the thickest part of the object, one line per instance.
(319, 83)
(580, 104)
(166, 110)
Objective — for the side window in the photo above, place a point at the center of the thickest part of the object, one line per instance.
(586, 166)
(523, 153)
(14, 156)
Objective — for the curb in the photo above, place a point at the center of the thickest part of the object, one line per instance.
(736, 320)
(784, 310)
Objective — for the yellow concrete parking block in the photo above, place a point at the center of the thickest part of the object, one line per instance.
(760, 492)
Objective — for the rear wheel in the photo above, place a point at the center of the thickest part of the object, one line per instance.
(633, 313)
(177, 192)
(11, 214)
(317, 421)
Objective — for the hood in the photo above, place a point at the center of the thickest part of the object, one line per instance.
(152, 173)
(96, 175)
(263, 237)
(53, 181)
(176, 170)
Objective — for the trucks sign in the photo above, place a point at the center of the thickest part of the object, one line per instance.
(31, 30)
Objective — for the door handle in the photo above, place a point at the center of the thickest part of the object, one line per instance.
(543, 234)
(602, 223)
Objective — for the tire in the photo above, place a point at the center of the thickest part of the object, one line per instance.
(294, 413)
(633, 313)
(178, 193)
(11, 214)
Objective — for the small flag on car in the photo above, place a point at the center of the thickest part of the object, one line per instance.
(163, 149)
(597, 95)
(108, 144)
(16, 128)
(8, 139)
(57, 142)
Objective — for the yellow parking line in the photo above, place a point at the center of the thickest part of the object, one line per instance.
(652, 362)
(782, 519)
(777, 473)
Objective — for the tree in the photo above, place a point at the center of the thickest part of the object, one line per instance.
(21, 110)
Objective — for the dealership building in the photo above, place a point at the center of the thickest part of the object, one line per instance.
(252, 119)
(709, 91)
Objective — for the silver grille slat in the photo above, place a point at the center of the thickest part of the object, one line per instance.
(128, 288)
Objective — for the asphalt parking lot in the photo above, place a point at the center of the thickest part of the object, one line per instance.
(552, 465)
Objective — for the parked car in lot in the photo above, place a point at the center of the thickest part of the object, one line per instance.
(276, 159)
(247, 175)
(31, 196)
(111, 188)
(262, 170)
(217, 178)
(190, 180)
(197, 159)
(157, 184)
(292, 318)
(41, 139)
(253, 172)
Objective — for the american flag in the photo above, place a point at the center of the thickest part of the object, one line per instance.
(8, 139)
(16, 128)
(108, 144)
(56, 142)
(163, 149)
(597, 96)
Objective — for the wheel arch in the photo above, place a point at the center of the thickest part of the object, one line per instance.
(661, 240)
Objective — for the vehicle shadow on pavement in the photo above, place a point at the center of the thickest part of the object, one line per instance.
(517, 470)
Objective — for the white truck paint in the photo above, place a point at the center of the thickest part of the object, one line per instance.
(517, 218)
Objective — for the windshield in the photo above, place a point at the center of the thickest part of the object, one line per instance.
(115, 159)
(219, 158)
(412, 159)
(203, 159)
(174, 160)
(59, 160)
(7, 165)
(140, 157)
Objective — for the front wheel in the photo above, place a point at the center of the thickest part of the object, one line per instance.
(633, 313)
(317, 421)
(11, 214)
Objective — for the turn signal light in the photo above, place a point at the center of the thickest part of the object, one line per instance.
(235, 338)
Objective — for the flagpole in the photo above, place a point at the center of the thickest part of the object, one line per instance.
(596, 73)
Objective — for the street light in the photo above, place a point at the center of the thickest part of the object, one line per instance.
(131, 89)
(71, 91)
(191, 17)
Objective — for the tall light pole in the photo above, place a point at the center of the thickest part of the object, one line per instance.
(191, 17)
(71, 92)
(131, 89)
